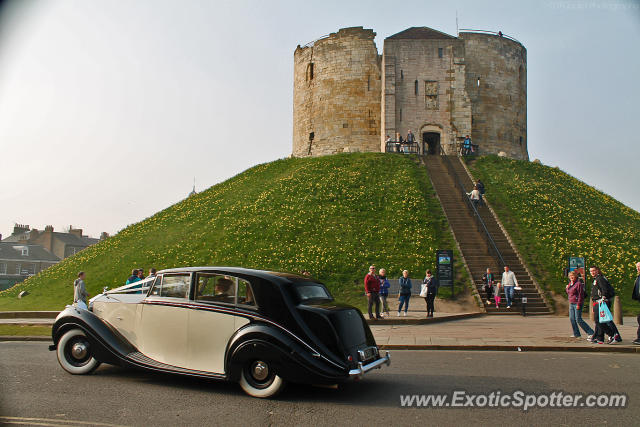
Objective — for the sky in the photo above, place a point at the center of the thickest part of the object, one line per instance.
(110, 109)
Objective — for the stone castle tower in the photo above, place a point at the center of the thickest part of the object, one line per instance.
(442, 88)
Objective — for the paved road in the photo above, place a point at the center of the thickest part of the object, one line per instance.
(32, 385)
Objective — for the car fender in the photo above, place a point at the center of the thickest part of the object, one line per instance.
(107, 344)
(292, 360)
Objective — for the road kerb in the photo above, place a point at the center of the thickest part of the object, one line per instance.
(516, 348)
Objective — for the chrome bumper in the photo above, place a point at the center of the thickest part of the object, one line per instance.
(363, 369)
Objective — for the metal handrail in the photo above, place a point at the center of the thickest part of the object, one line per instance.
(497, 33)
(476, 214)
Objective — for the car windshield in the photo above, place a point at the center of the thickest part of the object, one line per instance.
(310, 291)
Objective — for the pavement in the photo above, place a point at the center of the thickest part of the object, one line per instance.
(456, 331)
(36, 391)
(500, 332)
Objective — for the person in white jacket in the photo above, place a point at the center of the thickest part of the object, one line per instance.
(508, 282)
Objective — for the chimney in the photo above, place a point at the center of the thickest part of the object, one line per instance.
(47, 238)
(75, 231)
(20, 229)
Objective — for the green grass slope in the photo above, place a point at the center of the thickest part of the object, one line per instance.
(332, 216)
(551, 215)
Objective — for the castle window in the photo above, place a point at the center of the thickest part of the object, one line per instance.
(401, 74)
(401, 114)
(440, 52)
(345, 125)
(415, 89)
(368, 82)
(310, 71)
(431, 95)
(520, 140)
(478, 81)
(311, 136)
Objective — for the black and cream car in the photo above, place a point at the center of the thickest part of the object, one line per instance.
(258, 328)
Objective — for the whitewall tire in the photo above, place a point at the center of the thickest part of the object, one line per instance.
(74, 353)
(258, 379)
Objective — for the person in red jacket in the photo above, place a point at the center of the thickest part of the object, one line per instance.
(372, 289)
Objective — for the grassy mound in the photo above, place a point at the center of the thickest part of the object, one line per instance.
(332, 216)
(551, 215)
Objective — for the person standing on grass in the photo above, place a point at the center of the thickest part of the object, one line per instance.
(384, 290)
(372, 289)
(405, 292)
(636, 296)
(80, 294)
(487, 284)
(133, 278)
(576, 292)
(602, 291)
(431, 286)
(508, 282)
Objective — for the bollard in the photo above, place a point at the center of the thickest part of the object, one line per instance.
(617, 310)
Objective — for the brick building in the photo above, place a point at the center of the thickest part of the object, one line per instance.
(19, 261)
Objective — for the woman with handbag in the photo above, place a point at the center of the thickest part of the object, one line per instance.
(576, 293)
(429, 291)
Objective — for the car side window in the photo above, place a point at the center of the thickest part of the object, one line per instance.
(245, 294)
(175, 286)
(216, 288)
(157, 285)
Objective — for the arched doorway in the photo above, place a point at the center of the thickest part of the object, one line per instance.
(431, 143)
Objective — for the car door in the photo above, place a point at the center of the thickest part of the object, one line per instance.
(164, 320)
(211, 326)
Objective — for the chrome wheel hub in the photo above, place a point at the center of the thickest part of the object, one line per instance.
(260, 371)
(79, 350)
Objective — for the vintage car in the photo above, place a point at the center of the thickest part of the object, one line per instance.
(259, 328)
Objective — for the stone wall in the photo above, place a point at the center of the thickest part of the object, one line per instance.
(424, 90)
(496, 81)
(336, 94)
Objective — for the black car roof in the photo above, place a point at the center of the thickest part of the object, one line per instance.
(263, 274)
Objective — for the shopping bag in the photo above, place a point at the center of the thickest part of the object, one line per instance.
(605, 313)
(423, 291)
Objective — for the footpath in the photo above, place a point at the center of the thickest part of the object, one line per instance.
(445, 331)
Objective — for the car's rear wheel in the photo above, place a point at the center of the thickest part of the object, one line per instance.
(259, 379)
(74, 353)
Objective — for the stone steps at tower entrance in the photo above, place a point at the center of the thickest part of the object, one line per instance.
(473, 242)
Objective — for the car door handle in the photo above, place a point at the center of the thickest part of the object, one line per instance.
(118, 317)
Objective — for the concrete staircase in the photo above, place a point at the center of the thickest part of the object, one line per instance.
(472, 239)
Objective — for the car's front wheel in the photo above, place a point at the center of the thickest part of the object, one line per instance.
(258, 379)
(74, 353)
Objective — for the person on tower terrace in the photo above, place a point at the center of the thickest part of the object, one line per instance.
(487, 284)
(372, 289)
(387, 143)
(602, 291)
(411, 139)
(509, 281)
(467, 146)
(576, 293)
(636, 296)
